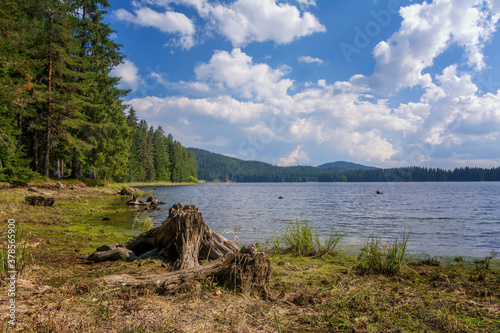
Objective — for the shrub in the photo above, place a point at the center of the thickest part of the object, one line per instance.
(193, 180)
(15, 176)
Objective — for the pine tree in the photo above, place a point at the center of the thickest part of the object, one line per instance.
(107, 133)
(161, 160)
(57, 94)
(17, 40)
(134, 163)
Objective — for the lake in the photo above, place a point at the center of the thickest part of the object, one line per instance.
(445, 219)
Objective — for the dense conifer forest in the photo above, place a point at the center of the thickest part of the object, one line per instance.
(61, 113)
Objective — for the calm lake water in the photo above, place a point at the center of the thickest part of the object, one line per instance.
(445, 219)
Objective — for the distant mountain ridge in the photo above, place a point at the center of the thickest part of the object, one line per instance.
(343, 166)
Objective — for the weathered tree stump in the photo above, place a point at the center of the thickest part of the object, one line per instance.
(126, 191)
(38, 200)
(151, 202)
(154, 201)
(185, 240)
(135, 201)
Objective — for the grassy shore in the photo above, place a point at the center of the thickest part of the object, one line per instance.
(312, 294)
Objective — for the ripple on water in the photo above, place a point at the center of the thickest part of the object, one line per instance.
(446, 219)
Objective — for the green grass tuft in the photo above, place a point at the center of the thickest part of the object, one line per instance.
(14, 256)
(144, 221)
(380, 259)
(302, 239)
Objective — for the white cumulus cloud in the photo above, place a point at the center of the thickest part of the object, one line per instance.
(128, 74)
(256, 111)
(298, 156)
(237, 73)
(167, 22)
(246, 21)
(427, 30)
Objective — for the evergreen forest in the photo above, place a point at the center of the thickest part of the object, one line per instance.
(217, 167)
(61, 113)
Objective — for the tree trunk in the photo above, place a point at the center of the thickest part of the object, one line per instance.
(190, 231)
(35, 152)
(49, 106)
(19, 127)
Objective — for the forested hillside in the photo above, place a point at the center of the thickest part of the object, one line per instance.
(61, 113)
(217, 167)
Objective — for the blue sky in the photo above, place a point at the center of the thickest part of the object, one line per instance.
(385, 83)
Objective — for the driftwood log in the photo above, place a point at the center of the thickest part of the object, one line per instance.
(185, 240)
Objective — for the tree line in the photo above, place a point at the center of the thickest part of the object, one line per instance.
(156, 157)
(421, 174)
(217, 167)
(61, 113)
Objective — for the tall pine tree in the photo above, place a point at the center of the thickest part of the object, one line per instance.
(107, 133)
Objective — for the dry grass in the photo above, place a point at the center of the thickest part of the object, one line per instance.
(311, 294)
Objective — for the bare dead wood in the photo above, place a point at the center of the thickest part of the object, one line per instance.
(185, 240)
(241, 272)
(126, 191)
(136, 201)
(190, 231)
(113, 254)
(175, 241)
(154, 201)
